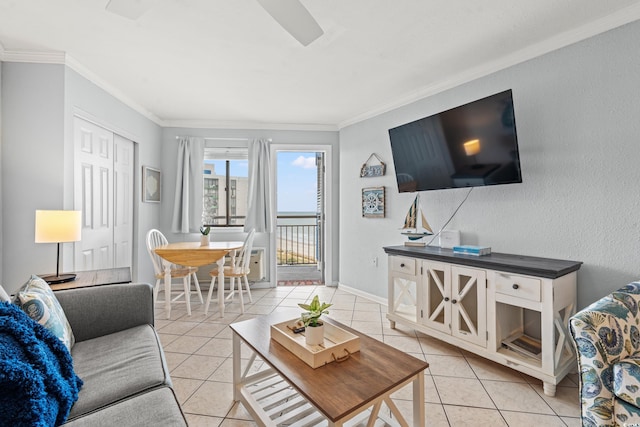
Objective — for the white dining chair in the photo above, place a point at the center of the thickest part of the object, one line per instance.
(155, 238)
(238, 270)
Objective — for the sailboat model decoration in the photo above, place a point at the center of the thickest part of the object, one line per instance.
(413, 229)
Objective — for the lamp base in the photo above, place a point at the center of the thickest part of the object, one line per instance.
(63, 278)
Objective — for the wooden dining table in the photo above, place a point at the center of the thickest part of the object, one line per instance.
(193, 254)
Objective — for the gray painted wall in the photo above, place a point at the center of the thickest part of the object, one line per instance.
(280, 137)
(33, 164)
(577, 115)
(39, 101)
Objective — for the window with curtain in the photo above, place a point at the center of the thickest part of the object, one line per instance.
(226, 172)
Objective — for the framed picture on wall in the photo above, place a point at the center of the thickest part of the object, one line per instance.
(373, 202)
(150, 185)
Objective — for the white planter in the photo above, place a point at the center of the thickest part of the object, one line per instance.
(204, 240)
(314, 335)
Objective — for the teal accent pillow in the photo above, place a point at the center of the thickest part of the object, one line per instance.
(38, 300)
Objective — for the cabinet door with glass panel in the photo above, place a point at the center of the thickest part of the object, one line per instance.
(454, 301)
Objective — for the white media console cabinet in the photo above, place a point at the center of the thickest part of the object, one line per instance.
(511, 309)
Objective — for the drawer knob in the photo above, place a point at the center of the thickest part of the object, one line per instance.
(515, 286)
(402, 265)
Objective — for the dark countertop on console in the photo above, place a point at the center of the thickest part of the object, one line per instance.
(520, 264)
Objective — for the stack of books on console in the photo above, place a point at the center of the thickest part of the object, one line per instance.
(524, 344)
(472, 250)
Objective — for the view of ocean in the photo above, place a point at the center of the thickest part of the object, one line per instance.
(296, 237)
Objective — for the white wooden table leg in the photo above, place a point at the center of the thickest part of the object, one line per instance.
(418, 400)
(237, 366)
(167, 289)
(220, 263)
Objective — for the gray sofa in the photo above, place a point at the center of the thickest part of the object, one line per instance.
(118, 355)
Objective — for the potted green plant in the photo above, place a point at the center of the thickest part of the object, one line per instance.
(314, 327)
(204, 238)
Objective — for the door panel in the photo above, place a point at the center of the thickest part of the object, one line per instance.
(104, 192)
(123, 201)
(320, 197)
(437, 305)
(297, 239)
(469, 309)
(95, 162)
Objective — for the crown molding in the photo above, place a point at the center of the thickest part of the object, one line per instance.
(69, 61)
(41, 57)
(221, 124)
(111, 90)
(55, 57)
(606, 23)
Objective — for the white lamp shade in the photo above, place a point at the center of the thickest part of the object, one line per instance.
(471, 148)
(58, 226)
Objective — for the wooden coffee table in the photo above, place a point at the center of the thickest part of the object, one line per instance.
(289, 392)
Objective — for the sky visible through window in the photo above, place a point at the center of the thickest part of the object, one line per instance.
(297, 185)
(236, 168)
(297, 175)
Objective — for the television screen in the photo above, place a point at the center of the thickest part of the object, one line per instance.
(471, 145)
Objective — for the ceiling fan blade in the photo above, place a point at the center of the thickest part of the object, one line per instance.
(131, 9)
(294, 18)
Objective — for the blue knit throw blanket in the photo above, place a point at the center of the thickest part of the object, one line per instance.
(37, 383)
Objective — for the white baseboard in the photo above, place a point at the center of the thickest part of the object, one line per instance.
(358, 292)
(260, 285)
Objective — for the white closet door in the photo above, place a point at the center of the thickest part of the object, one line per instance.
(123, 173)
(103, 179)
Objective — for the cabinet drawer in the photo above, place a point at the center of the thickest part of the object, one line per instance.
(403, 265)
(518, 286)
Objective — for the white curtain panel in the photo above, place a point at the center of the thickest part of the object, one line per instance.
(259, 216)
(187, 208)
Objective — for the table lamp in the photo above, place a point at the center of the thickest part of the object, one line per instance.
(471, 149)
(58, 227)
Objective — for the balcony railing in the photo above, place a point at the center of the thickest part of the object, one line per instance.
(296, 240)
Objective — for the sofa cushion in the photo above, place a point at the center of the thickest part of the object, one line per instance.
(37, 300)
(117, 366)
(626, 380)
(157, 407)
(102, 310)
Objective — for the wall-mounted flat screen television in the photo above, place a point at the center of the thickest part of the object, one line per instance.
(471, 145)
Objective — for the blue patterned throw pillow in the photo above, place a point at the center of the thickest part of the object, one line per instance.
(37, 300)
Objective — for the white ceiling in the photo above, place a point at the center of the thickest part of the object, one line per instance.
(227, 63)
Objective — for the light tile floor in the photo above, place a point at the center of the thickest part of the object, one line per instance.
(462, 389)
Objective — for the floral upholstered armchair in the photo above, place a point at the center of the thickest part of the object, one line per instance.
(607, 341)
